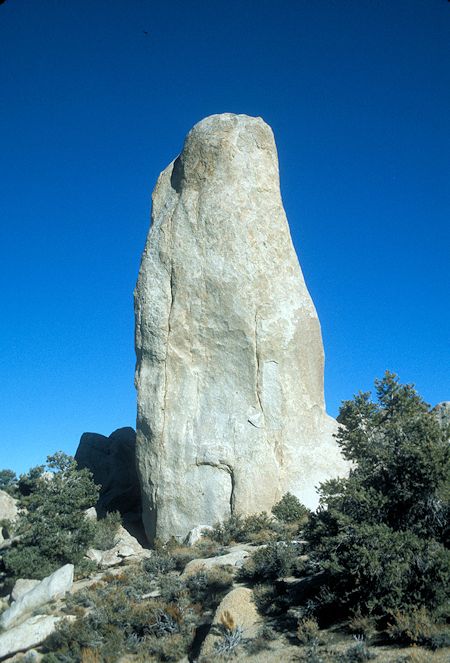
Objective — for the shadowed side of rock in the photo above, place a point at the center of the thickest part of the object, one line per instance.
(112, 461)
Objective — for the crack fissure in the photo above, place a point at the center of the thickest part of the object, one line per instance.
(258, 368)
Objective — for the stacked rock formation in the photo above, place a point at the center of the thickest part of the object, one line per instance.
(230, 358)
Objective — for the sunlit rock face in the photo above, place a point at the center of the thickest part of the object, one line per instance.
(229, 351)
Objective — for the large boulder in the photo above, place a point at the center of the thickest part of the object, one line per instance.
(112, 461)
(8, 507)
(53, 587)
(230, 360)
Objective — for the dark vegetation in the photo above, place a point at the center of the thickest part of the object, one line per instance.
(378, 562)
(122, 619)
(370, 567)
(52, 529)
(380, 537)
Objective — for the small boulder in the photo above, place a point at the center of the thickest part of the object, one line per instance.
(196, 534)
(91, 513)
(235, 558)
(29, 656)
(53, 587)
(239, 606)
(9, 512)
(30, 633)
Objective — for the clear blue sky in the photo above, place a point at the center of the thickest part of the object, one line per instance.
(92, 109)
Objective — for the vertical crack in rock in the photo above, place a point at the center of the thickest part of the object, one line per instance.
(204, 366)
(166, 361)
(228, 469)
(258, 368)
(233, 487)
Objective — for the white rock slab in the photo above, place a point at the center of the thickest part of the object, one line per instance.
(91, 513)
(53, 587)
(29, 634)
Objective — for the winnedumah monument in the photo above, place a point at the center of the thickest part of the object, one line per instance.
(230, 359)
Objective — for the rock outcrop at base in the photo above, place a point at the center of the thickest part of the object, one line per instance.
(230, 360)
(112, 461)
(8, 507)
(9, 512)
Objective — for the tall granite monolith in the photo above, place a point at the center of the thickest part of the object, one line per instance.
(230, 359)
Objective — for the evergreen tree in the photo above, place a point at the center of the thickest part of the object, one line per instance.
(380, 535)
(52, 528)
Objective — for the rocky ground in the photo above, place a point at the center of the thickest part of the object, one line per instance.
(186, 603)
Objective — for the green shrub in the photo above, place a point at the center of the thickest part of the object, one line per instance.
(171, 586)
(206, 548)
(361, 625)
(229, 531)
(182, 554)
(105, 531)
(418, 627)
(53, 530)
(276, 560)
(290, 510)
(356, 653)
(261, 641)
(207, 588)
(257, 526)
(160, 562)
(231, 636)
(379, 571)
(265, 598)
(119, 622)
(439, 640)
(313, 654)
(307, 631)
(238, 529)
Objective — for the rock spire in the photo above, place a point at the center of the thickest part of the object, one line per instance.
(229, 351)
